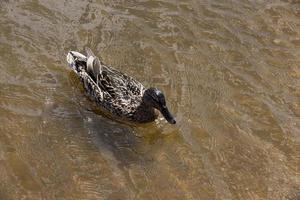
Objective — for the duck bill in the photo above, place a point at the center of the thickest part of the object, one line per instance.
(167, 115)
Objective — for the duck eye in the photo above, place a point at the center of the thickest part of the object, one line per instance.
(162, 101)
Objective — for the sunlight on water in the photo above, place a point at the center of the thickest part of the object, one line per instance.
(230, 72)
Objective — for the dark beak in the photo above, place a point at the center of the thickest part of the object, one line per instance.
(167, 115)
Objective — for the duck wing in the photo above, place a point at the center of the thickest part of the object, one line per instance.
(113, 82)
(119, 84)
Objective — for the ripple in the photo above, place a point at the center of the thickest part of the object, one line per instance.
(230, 74)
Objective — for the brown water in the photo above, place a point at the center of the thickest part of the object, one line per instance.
(231, 74)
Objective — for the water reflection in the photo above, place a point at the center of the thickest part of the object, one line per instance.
(230, 74)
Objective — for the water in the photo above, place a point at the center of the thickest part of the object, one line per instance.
(230, 71)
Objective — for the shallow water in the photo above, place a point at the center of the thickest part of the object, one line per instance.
(230, 71)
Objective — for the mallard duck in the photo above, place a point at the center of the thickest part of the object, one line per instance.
(116, 92)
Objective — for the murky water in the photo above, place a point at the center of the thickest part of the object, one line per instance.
(231, 74)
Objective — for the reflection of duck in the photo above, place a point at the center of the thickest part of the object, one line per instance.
(116, 92)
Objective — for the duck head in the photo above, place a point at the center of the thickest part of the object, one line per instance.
(155, 98)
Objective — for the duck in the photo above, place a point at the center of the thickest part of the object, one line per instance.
(116, 92)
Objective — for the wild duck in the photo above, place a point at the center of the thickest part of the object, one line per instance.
(117, 93)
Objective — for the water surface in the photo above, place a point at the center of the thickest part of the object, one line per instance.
(230, 71)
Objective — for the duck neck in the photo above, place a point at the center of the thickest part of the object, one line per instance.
(146, 113)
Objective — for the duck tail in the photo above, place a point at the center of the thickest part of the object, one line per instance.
(74, 59)
(89, 52)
